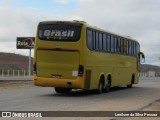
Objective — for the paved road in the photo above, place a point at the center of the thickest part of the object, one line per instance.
(34, 98)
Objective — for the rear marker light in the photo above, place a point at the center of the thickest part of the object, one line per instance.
(34, 67)
(80, 70)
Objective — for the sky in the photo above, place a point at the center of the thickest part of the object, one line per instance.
(138, 19)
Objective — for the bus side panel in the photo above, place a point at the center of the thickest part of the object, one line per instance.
(99, 64)
(87, 79)
(121, 68)
(124, 70)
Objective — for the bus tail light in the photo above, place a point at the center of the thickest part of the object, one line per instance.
(34, 67)
(80, 70)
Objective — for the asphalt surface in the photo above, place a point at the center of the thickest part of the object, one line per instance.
(32, 98)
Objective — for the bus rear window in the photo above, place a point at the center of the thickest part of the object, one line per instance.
(54, 31)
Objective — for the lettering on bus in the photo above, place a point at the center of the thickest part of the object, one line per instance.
(58, 33)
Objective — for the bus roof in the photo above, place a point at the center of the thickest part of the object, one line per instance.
(110, 32)
(88, 25)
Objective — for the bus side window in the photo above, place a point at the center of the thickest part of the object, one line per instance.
(134, 49)
(137, 48)
(122, 45)
(89, 39)
(130, 47)
(104, 42)
(115, 44)
(138, 51)
(112, 44)
(100, 42)
(94, 40)
(108, 43)
(97, 41)
(118, 45)
(125, 46)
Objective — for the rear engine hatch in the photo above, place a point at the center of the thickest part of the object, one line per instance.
(57, 64)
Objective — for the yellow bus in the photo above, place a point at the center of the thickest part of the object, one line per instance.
(74, 55)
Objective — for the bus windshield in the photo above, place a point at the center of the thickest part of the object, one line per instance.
(63, 31)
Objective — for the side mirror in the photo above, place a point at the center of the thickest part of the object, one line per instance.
(141, 57)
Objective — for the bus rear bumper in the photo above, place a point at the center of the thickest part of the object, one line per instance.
(76, 83)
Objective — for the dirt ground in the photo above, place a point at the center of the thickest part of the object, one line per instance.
(14, 84)
(153, 106)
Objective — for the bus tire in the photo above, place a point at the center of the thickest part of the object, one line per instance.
(131, 83)
(100, 86)
(62, 90)
(108, 84)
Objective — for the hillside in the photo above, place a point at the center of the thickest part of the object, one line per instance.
(11, 61)
(147, 67)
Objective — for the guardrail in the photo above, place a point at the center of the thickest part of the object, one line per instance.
(13, 73)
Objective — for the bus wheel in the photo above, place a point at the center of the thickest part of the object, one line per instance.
(108, 86)
(100, 86)
(62, 90)
(131, 83)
